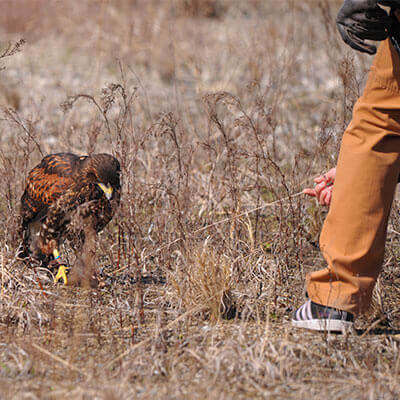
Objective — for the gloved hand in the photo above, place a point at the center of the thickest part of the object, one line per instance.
(390, 3)
(360, 20)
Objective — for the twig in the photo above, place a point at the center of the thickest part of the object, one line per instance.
(373, 325)
(12, 48)
(145, 341)
(2, 273)
(39, 283)
(391, 230)
(59, 359)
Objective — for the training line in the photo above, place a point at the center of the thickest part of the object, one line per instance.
(222, 221)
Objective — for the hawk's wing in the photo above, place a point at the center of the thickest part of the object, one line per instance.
(45, 184)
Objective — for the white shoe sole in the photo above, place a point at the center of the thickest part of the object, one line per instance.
(329, 325)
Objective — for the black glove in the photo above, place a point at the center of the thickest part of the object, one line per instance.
(360, 20)
(390, 3)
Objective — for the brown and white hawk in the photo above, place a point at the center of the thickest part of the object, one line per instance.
(68, 197)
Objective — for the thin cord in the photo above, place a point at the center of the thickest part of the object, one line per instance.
(231, 219)
(218, 223)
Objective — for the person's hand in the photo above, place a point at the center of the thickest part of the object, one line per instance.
(361, 20)
(323, 187)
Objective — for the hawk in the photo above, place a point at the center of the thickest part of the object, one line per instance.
(68, 197)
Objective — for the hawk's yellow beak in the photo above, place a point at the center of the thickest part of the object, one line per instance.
(106, 189)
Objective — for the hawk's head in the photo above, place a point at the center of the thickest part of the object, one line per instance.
(103, 170)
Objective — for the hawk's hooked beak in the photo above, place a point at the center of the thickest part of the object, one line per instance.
(108, 190)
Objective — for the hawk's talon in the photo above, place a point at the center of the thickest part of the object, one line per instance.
(62, 274)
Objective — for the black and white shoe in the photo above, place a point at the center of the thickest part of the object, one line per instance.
(322, 318)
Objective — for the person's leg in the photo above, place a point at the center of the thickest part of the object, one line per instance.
(353, 236)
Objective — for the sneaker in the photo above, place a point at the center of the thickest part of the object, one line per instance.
(322, 318)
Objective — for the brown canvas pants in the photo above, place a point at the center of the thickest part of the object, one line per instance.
(353, 236)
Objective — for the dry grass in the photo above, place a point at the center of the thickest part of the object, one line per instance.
(220, 113)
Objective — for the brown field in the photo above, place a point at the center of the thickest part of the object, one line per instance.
(221, 112)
